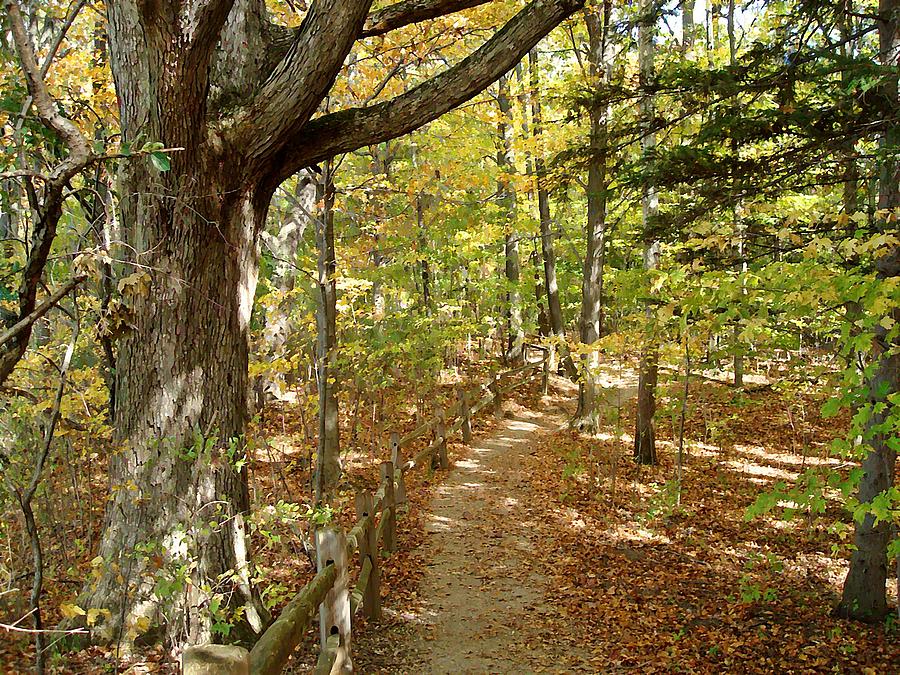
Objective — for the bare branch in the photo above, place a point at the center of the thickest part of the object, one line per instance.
(64, 29)
(412, 11)
(40, 310)
(347, 130)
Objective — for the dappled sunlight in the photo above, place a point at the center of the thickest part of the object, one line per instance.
(785, 457)
(758, 470)
(633, 534)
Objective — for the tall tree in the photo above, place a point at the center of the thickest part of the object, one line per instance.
(238, 94)
(645, 432)
(864, 594)
(506, 198)
(598, 21)
(548, 252)
(328, 459)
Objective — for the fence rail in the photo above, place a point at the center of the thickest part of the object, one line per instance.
(329, 592)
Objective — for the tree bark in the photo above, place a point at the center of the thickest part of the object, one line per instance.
(688, 29)
(645, 432)
(281, 240)
(591, 326)
(864, 594)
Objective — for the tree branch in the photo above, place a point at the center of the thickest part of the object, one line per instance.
(347, 130)
(412, 11)
(301, 80)
(40, 310)
(49, 210)
(79, 148)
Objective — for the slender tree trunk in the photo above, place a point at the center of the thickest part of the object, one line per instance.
(848, 160)
(328, 461)
(598, 25)
(507, 197)
(282, 239)
(548, 251)
(645, 431)
(422, 204)
(381, 158)
(740, 225)
(864, 595)
(688, 29)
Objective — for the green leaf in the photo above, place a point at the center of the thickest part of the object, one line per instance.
(160, 161)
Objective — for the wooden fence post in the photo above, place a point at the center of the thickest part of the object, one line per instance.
(368, 550)
(497, 402)
(440, 434)
(464, 413)
(215, 660)
(389, 509)
(545, 374)
(397, 459)
(334, 612)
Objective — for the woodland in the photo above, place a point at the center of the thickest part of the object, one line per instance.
(255, 251)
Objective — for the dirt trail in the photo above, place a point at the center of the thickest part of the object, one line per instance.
(482, 608)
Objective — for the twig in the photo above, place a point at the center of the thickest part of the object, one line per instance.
(43, 631)
(41, 309)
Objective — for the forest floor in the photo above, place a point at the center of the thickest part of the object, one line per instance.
(545, 549)
(548, 550)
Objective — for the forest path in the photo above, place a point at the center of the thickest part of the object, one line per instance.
(482, 608)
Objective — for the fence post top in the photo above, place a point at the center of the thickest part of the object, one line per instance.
(364, 502)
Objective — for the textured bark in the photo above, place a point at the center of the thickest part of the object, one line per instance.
(645, 432)
(241, 115)
(506, 198)
(412, 11)
(864, 595)
(591, 326)
(688, 30)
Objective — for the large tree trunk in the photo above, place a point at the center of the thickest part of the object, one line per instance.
(591, 325)
(175, 520)
(506, 194)
(182, 393)
(645, 433)
(864, 595)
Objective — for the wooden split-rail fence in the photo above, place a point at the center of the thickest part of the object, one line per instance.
(330, 592)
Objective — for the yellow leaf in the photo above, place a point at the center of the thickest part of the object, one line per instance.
(95, 613)
(70, 611)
